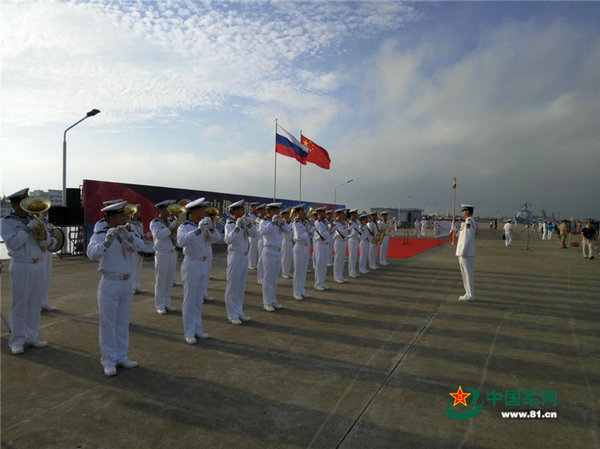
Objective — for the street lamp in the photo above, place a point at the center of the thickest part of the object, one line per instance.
(64, 189)
(335, 190)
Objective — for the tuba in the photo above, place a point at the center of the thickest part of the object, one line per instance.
(36, 206)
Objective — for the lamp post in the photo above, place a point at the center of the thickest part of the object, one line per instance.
(64, 189)
(335, 190)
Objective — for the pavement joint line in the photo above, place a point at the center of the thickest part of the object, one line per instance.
(346, 392)
(400, 359)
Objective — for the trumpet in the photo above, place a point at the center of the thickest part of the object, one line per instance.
(213, 213)
(177, 210)
(36, 206)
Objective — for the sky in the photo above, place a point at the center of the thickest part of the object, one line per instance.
(504, 96)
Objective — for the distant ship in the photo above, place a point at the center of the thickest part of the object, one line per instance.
(524, 215)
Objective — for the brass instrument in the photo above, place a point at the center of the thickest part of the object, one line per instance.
(130, 210)
(36, 206)
(213, 213)
(177, 210)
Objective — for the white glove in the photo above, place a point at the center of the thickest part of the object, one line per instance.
(173, 225)
(33, 225)
(205, 224)
(111, 235)
(276, 220)
(240, 222)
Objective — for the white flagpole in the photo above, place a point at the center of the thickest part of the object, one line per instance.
(275, 170)
(453, 209)
(300, 177)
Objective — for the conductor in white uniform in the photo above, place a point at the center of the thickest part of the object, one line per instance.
(465, 250)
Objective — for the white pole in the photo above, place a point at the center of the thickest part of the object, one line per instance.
(275, 170)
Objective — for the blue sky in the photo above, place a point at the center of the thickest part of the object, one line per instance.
(503, 95)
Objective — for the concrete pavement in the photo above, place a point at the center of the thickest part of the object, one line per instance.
(367, 364)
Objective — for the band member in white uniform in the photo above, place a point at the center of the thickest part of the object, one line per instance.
(386, 227)
(207, 297)
(113, 249)
(301, 236)
(322, 249)
(260, 272)
(137, 257)
(271, 230)
(26, 270)
(353, 240)
(195, 236)
(329, 220)
(238, 230)
(423, 227)
(164, 234)
(374, 231)
(340, 239)
(101, 224)
(47, 259)
(465, 250)
(286, 245)
(253, 251)
(365, 238)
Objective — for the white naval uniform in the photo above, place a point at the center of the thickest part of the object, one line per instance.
(100, 225)
(301, 236)
(385, 243)
(237, 240)
(330, 226)
(423, 227)
(465, 250)
(260, 269)
(210, 258)
(286, 251)
(194, 273)
(137, 258)
(374, 231)
(322, 250)
(417, 228)
(27, 277)
(340, 237)
(508, 233)
(353, 240)
(47, 261)
(115, 294)
(271, 259)
(253, 242)
(365, 238)
(165, 261)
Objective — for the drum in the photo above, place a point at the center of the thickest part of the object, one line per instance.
(59, 235)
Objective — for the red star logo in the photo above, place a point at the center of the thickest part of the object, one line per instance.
(459, 397)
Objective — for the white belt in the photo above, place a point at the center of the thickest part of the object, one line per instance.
(116, 276)
(302, 243)
(276, 248)
(197, 259)
(323, 242)
(29, 260)
(237, 251)
(169, 251)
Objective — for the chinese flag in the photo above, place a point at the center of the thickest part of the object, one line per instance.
(316, 154)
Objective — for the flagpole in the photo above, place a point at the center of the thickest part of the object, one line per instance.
(453, 209)
(275, 170)
(300, 177)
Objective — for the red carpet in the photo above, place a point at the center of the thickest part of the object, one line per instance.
(401, 248)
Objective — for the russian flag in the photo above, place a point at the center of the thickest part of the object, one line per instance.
(287, 145)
